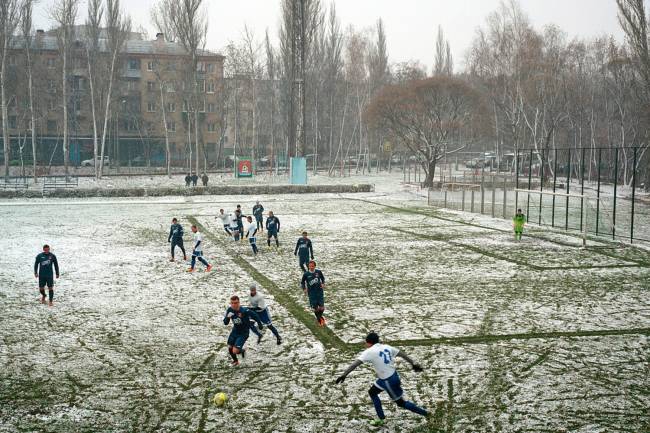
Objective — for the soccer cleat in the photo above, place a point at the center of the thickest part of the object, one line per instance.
(185, 258)
(208, 269)
(235, 363)
(279, 340)
(42, 300)
(243, 353)
(190, 270)
(259, 338)
(50, 304)
(377, 422)
(321, 322)
(171, 260)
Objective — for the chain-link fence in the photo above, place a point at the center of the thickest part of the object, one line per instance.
(596, 189)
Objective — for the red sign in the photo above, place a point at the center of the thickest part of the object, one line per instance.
(244, 168)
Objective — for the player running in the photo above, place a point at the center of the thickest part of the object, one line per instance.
(197, 253)
(241, 320)
(382, 357)
(176, 238)
(518, 222)
(272, 229)
(303, 251)
(258, 304)
(225, 220)
(313, 283)
(43, 271)
(258, 213)
(240, 224)
(234, 227)
(251, 231)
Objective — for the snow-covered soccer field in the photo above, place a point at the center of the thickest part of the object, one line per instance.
(536, 336)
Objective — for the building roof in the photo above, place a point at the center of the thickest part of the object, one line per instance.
(133, 45)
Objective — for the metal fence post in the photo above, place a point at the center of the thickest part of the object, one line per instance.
(582, 187)
(554, 186)
(541, 185)
(463, 204)
(530, 183)
(505, 195)
(615, 190)
(472, 205)
(568, 183)
(600, 154)
(493, 195)
(633, 196)
(445, 199)
(482, 191)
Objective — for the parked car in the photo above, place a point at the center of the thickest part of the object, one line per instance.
(89, 162)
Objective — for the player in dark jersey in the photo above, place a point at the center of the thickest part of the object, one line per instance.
(304, 251)
(43, 271)
(240, 223)
(176, 238)
(258, 213)
(272, 229)
(241, 318)
(313, 283)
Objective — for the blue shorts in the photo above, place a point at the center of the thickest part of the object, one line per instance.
(237, 340)
(265, 316)
(258, 218)
(316, 298)
(392, 385)
(197, 253)
(252, 240)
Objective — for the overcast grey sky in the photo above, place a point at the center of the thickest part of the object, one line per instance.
(411, 25)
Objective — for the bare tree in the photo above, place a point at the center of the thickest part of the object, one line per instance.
(443, 63)
(429, 116)
(64, 14)
(9, 18)
(92, 33)
(26, 27)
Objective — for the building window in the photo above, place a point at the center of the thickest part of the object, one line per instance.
(212, 127)
(171, 126)
(12, 60)
(12, 122)
(151, 86)
(51, 125)
(200, 85)
(51, 85)
(212, 107)
(51, 62)
(211, 67)
(210, 87)
(170, 87)
(150, 66)
(171, 107)
(202, 106)
(185, 105)
(151, 106)
(130, 85)
(77, 83)
(51, 105)
(134, 64)
(200, 67)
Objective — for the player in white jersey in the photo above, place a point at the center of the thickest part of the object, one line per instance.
(234, 227)
(225, 220)
(258, 304)
(382, 357)
(251, 232)
(197, 253)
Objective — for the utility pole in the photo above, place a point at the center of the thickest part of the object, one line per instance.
(297, 111)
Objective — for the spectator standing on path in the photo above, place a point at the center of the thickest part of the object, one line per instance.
(195, 179)
(188, 179)
(204, 179)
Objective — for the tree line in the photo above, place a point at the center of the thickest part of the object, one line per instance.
(516, 87)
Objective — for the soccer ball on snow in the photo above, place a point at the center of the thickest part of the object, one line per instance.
(219, 399)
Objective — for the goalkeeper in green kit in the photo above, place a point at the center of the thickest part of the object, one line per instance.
(518, 222)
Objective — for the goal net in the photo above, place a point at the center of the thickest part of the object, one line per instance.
(556, 209)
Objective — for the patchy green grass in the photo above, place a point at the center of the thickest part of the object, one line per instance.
(533, 336)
